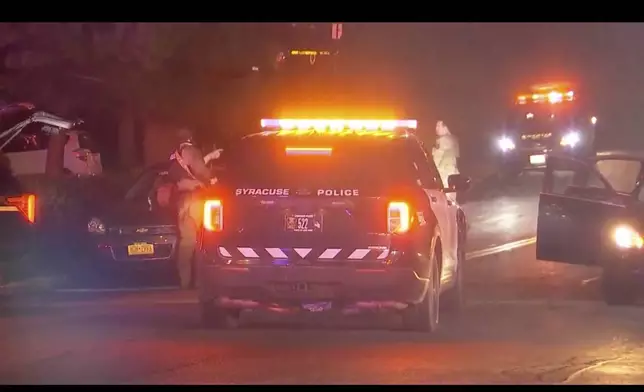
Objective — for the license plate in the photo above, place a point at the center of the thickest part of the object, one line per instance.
(303, 223)
(537, 159)
(140, 249)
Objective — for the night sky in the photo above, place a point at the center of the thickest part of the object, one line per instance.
(467, 73)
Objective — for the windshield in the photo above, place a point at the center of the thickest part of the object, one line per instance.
(140, 189)
(622, 175)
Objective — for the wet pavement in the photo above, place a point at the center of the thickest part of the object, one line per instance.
(499, 213)
(526, 322)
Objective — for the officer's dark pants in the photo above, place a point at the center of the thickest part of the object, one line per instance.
(188, 224)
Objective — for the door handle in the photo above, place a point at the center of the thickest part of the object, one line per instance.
(433, 199)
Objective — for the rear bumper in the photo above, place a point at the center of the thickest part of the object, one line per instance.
(519, 159)
(256, 286)
(109, 253)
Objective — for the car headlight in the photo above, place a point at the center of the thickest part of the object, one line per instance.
(626, 237)
(506, 144)
(571, 139)
(96, 226)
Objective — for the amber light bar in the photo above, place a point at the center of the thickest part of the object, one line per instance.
(322, 125)
(550, 97)
(308, 150)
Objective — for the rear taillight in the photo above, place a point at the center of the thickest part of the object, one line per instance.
(398, 217)
(213, 215)
(25, 204)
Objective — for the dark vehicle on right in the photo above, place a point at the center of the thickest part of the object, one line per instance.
(548, 119)
(591, 212)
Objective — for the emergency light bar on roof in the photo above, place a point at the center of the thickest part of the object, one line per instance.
(319, 125)
(553, 96)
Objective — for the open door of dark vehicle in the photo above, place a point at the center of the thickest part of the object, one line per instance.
(578, 211)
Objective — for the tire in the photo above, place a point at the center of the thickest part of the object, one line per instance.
(618, 288)
(216, 317)
(424, 316)
(453, 300)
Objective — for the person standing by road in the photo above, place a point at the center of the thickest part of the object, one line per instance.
(189, 173)
(446, 154)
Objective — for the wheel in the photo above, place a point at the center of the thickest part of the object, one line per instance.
(453, 300)
(424, 316)
(618, 288)
(216, 317)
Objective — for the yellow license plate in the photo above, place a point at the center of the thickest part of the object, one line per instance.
(537, 159)
(140, 249)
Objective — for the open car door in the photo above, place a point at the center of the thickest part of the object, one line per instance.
(577, 209)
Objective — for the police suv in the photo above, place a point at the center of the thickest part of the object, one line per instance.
(331, 215)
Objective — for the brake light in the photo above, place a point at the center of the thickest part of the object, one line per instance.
(213, 215)
(25, 204)
(398, 217)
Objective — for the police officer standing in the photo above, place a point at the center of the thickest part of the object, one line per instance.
(190, 173)
(446, 153)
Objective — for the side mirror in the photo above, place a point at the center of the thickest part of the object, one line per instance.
(458, 183)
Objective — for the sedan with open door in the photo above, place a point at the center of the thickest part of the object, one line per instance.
(591, 212)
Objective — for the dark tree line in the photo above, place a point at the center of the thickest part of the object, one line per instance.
(141, 72)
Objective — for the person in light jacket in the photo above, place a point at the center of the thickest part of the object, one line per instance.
(446, 154)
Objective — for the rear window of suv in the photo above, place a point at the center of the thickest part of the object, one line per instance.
(368, 164)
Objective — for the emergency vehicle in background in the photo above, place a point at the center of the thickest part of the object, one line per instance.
(320, 215)
(550, 118)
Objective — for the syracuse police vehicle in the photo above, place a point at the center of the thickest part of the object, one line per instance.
(319, 215)
(548, 119)
(591, 212)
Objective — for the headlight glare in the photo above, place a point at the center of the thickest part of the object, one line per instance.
(571, 139)
(626, 237)
(506, 144)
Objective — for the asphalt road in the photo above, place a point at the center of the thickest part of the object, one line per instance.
(526, 322)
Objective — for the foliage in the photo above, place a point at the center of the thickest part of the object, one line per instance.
(155, 65)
